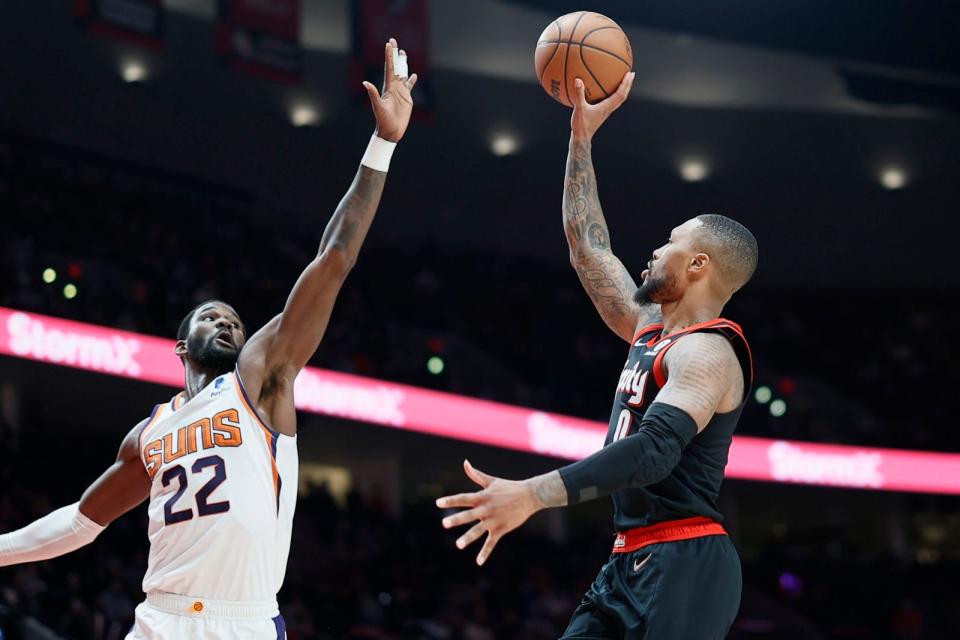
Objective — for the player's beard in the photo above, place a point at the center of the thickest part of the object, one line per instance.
(656, 290)
(210, 355)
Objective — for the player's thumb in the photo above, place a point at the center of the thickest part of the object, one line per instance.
(579, 92)
(372, 93)
(476, 475)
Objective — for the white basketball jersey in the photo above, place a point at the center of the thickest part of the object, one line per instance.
(224, 489)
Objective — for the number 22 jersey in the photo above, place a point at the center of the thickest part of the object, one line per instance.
(222, 497)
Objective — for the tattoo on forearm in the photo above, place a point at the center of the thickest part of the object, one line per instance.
(550, 489)
(603, 276)
(355, 212)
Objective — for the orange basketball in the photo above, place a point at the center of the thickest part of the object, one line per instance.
(583, 45)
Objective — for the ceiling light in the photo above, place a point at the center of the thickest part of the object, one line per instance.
(304, 115)
(694, 170)
(133, 71)
(504, 144)
(893, 178)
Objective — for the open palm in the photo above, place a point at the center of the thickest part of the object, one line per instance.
(392, 107)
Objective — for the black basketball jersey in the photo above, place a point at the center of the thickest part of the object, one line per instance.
(693, 487)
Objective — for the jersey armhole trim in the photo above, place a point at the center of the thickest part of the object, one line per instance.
(154, 416)
(270, 436)
(719, 323)
(248, 405)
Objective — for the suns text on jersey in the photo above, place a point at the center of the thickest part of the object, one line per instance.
(222, 430)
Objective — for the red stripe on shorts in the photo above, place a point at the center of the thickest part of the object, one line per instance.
(668, 531)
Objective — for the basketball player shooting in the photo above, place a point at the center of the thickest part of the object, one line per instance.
(219, 461)
(673, 572)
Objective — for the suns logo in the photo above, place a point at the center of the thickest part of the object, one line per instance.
(222, 430)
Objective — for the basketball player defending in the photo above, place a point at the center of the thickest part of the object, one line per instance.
(219, 461)
(673, 572)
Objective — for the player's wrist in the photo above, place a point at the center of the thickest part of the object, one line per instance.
(388, 136)
(379, 152)
(580, 137)
(547, 491)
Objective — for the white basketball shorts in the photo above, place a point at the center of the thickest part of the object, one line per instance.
(165, 616)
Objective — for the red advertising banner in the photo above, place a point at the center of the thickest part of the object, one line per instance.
(260, 37)
(137, 21)
(131, 355)
(376, 21)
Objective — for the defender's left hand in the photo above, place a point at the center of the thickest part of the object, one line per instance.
(501, 507)
(393, 108)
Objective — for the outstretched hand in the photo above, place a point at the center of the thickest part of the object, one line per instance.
(499, 508)
(587, 118)
(392, 107)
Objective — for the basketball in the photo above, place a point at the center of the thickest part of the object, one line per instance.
(583, 45)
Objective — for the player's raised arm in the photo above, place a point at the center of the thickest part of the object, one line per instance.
(606, 280)
(705, 377)
(283, 347)
(119, 489)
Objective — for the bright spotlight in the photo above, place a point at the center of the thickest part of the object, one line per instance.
(49, 275)
(694, 170)
(763, 395)
(304, 116)
(778, 408)
(435, 365)
(893, 178)
(504, 144)
(70, 291)
(133, 71)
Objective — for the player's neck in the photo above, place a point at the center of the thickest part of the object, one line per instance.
(198, 378)
(688, 311)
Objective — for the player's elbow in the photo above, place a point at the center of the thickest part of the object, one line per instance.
(334, 263)
(654, 468)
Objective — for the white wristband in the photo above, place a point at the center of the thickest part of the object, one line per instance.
(378, 154)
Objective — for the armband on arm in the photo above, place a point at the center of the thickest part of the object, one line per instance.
(55, 534)
(644, 458)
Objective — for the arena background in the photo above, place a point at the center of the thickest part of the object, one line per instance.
(156, 153)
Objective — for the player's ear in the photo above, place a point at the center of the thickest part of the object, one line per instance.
(180, 348)
(698, 263)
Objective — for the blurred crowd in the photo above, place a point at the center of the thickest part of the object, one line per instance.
(356, 571)
(144, 247)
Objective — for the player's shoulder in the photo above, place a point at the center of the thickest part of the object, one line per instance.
(133, 435)
(130, 446)
(704, 347)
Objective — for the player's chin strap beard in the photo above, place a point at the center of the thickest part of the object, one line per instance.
(211, 356)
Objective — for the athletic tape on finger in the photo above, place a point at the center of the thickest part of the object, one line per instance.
(399, 64)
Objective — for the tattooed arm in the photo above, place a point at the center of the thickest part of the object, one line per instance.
(272, 358)
(606, 280)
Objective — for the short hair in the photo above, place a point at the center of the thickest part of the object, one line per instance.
(732, 246)
(184, 329)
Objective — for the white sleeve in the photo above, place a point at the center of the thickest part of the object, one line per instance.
(53, 535)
